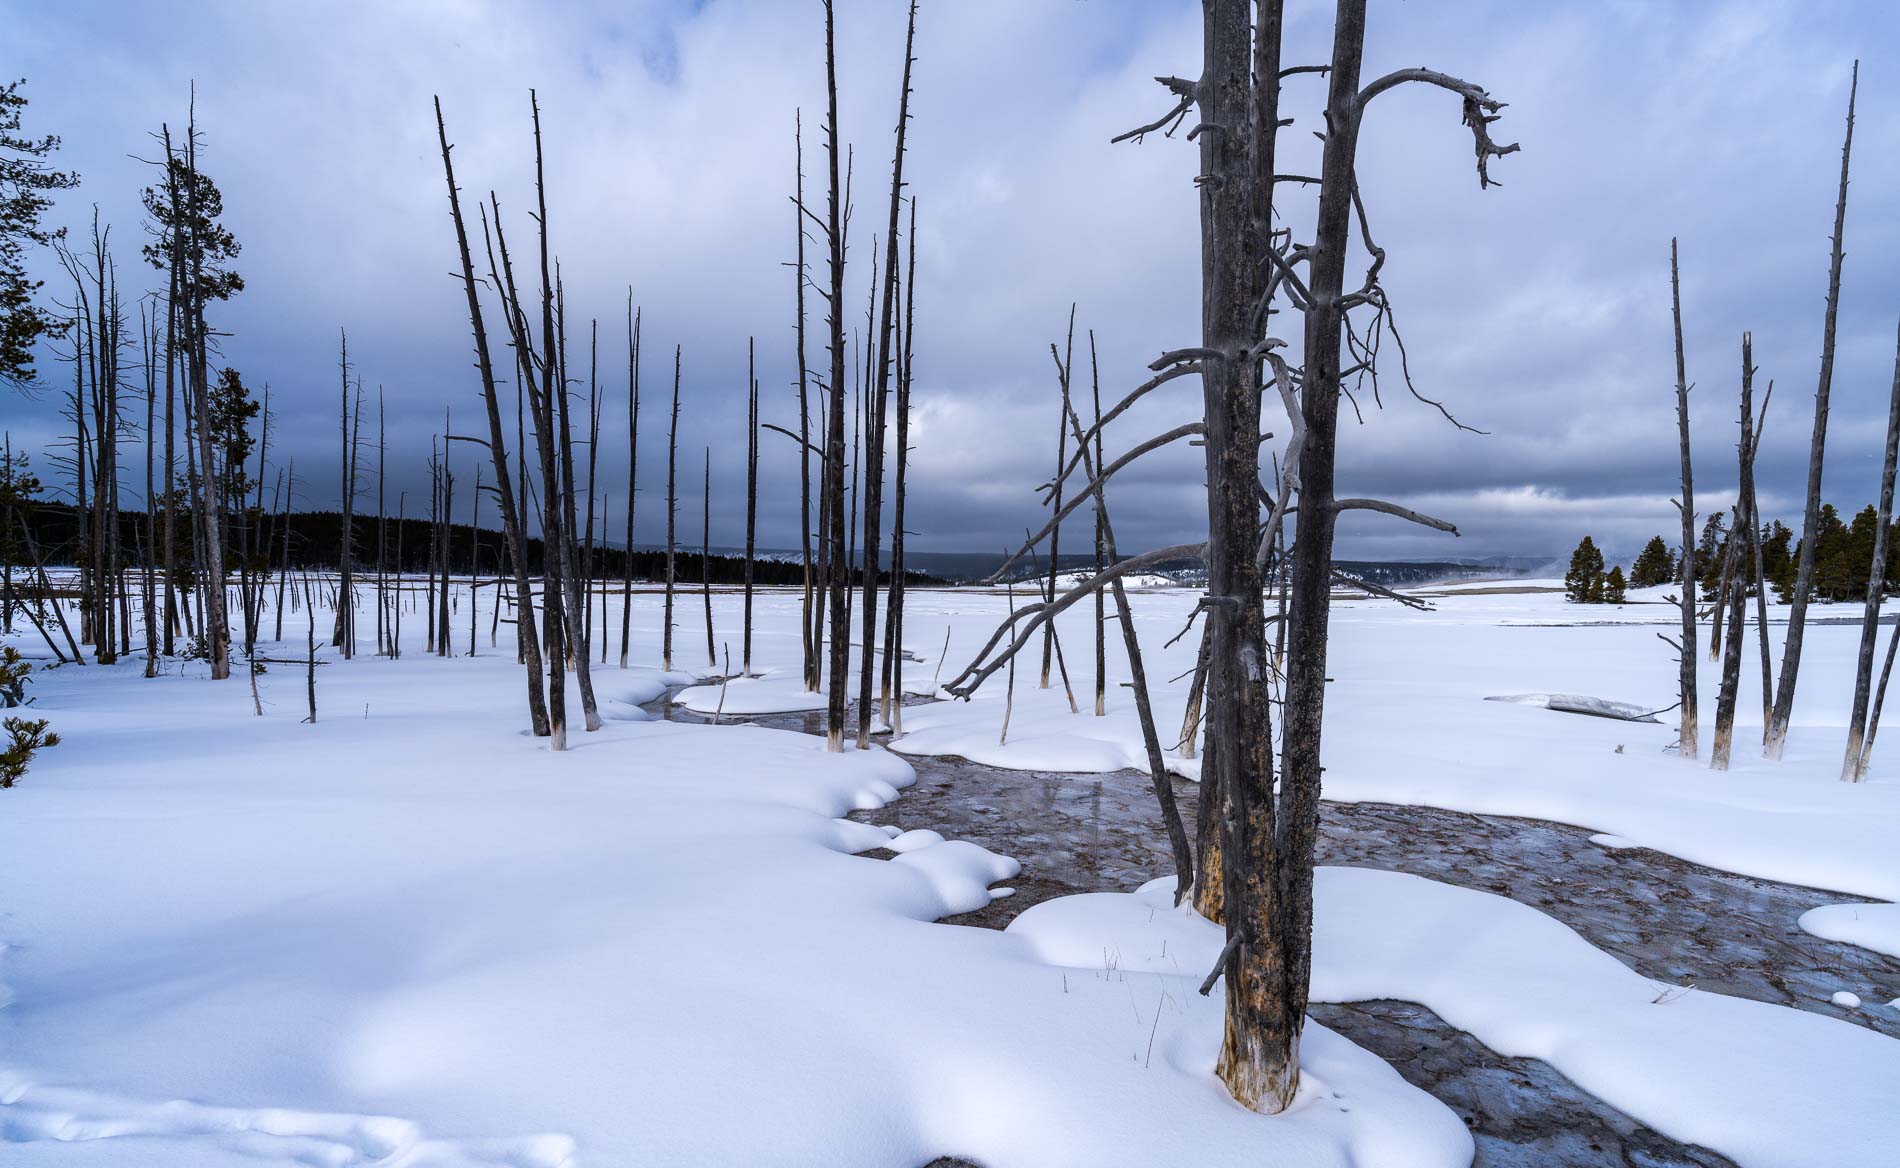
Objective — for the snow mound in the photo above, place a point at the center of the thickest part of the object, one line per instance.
(1871, 926)
(1726, 1073)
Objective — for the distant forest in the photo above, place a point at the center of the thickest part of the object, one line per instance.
(316, 543)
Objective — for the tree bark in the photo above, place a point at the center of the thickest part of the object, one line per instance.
(1817, 449)
(1854, 762)
(1686, 739)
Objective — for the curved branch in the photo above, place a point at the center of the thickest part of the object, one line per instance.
(1187, 91)
(1385, 508)
(1134, 396)
(964, 684)
(1480, 110)
(1087, 490)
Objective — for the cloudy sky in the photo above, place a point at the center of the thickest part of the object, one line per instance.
(1538, 310)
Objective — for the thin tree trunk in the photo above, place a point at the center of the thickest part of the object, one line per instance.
(513, 526)
(705, 560)
(1686, 740)
(808, 629)
(1810, 518)
(1854, 762)
(1137, 671)
(880, 399)
(894, 622)
(836, 583)
(672, 517)
(1055, 537)
(633, 468)
(751, 501)
(1734, 589)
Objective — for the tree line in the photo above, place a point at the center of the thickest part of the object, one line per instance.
(1843, 561)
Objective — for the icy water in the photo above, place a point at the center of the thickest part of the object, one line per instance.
(1664, 917)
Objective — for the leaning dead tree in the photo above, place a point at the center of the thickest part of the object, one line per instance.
(1735, 580)
(1255, 858)
(1860, 731)
(837, 580)
(1777, 737)
(879, 398)
(1686, 740)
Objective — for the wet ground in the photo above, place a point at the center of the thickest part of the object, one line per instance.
(1664, 917)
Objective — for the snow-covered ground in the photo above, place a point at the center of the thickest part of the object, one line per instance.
(410, 935)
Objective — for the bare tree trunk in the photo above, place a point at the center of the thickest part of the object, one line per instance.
(344, 635)
(672, 516)
(879, 399)
(633, 471)
(1854, 763)
(1810, 518)
(511, 519)
(894, 620)
(1266, 865)
(1137, 671)
(1734, 586)
(836, 582)
(1055, 537)
(148, 331)
(1686, 744)
(705, 560)
(751, 500)
(593, 464)
(810, 614)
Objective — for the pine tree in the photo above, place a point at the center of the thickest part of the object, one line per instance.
(1614, 586)
(1709, 554)
(1655, 566)
(24, 177)
(1583, 584)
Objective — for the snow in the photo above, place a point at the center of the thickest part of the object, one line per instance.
(1871, 926)
(1753, 1081)
(1407, 723)
(1846, 1000)
(410, 935)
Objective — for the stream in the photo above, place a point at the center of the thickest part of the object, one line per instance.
(1666, 918)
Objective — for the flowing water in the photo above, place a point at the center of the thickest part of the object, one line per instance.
(1665, 918)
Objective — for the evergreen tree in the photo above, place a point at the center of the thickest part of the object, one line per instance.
(1833, 557)
(1614, 586)
(24, 179)
(1709, 554)
(1777, 561)
(1655, 566)
(1583, 584)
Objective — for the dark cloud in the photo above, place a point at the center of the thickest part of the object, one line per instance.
(1539, 311)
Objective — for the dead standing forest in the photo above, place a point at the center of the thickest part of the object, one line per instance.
(162, 526)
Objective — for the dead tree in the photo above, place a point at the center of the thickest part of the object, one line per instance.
(672, 517)
(511, 519)
(633, 472)
(1811, 516)
(1734, 586)
(1859, 732)
(1137, 670)
(808, 629)
(879, 398)
(593, 465)
(1686, 744)
(837, 583)
(751, 498)
(705, 560)
(1055, 535)
(578, 617)
(894, 618)
(1267, 829)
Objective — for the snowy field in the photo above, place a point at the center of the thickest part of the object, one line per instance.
(410, 935)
